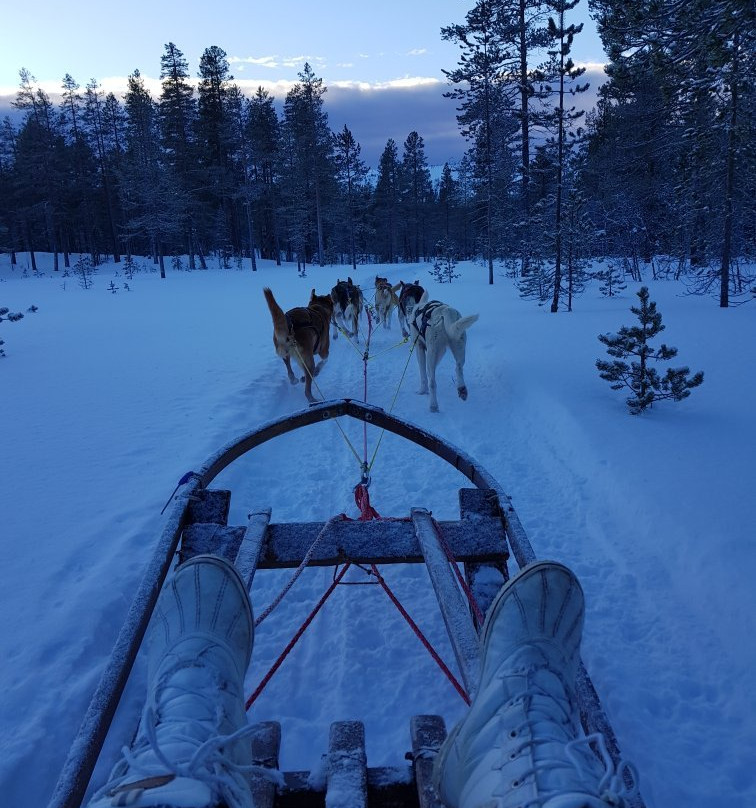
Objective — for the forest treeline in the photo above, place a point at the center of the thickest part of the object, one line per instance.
(660, 173)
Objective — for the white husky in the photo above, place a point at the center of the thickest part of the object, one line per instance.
(434, 328)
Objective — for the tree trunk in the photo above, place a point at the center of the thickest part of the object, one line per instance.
(724, 283)
(560, 173)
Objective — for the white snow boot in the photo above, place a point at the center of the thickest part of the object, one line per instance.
(521, 744)
(192, 749)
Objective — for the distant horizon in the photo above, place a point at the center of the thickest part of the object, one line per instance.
(372, 113)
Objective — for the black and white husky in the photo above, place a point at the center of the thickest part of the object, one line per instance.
(347, 305)
(435, 327)
(409, 297)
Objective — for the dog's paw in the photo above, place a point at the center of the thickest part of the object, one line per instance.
(434, 407)
(462, 393)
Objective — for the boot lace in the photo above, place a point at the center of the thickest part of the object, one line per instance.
(208, 764)
(550, 720)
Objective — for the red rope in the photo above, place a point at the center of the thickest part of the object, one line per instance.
(461, 578)
(362, 500)
(368, 512)
(365, 358)
(295, 638)
(431, 650)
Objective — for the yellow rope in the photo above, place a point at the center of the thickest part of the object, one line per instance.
(396, 395)
(322, 395)
(365, 357)
(349, 339)
(390, 348)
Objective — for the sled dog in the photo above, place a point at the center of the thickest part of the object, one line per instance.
(434, 328)
(302, 333)
(385, 301)
(409, 297)
(347, 305)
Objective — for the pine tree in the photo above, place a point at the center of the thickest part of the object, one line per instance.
(151, 211)
(478, 88)
(351, 173)
(642, 379)
(387, 203)
(11, 317)
(39, 169)
(96, 125)
(611, 279)
(416, 191)
(564, 71)
(264, 140)
(310, 168)
(445, 261)
(177, 115)
(214, 130)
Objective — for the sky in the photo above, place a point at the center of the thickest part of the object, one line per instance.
(382, 62)
(110, 398)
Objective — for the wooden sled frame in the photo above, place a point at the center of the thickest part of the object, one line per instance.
(264, 545)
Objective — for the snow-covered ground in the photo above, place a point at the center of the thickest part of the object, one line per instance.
(108, 399)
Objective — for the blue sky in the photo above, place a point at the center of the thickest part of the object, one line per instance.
(381, 62)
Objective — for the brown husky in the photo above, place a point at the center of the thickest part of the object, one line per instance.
(302, 333)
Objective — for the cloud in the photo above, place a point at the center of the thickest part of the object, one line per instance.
(261, 61)
(375, 113)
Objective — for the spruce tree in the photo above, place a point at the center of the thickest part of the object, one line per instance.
(264, 140)
(351, 175)
(387, 203)
(445, 261)
(309, 167)
(11, 317)
(612, 280)
(562, 69)
(177, 113)
(416, 190)
(477, 86)
(640, 377)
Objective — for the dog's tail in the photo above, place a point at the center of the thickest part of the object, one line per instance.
(280, 326)
(458, 327)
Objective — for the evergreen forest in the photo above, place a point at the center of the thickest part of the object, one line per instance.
(659, 177)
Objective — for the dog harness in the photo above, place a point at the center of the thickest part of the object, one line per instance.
(424, 315)
(293, 323)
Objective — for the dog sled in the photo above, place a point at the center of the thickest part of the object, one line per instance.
(485, 541)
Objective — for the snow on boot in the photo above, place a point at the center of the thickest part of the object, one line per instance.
(192, 748)
(521, 743)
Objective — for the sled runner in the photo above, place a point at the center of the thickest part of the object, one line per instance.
(485, 539)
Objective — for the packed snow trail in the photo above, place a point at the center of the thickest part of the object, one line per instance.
(109, 399)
